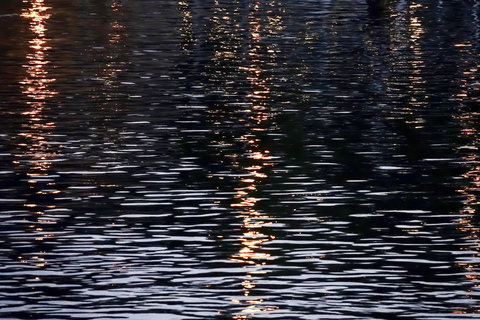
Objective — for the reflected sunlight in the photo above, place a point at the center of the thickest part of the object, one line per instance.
(38, 153)
(259, 161)
(417, 81)
(406, 35)
(239, 51)
(36, 83)
(111, 55)
(36, 89)
(186, 30)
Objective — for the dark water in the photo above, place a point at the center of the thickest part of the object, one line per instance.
(239, 159)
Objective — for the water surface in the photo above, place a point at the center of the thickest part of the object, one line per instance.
(239, 160)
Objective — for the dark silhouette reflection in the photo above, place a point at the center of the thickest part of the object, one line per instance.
(10, 11)
(376, 7)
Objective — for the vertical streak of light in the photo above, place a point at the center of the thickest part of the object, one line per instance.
(418, 94)
(260, 159)
(38, 153)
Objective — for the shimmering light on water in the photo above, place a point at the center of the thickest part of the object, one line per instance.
(239, 159)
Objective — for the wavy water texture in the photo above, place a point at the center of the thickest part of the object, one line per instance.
(239, 160)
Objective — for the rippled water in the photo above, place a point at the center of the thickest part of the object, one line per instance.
(239, 159)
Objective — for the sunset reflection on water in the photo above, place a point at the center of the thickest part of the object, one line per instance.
(36, 90)
(239, 160)
(258, 162)
(36, 153)
(37, 80)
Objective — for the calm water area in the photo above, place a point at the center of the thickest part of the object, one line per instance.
(239, 159)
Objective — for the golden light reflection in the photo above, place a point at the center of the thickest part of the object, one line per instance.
(406, 35)
(186, 30)
(258, 161)
(236, 36)
(37, 80)
(417, 81)
(37, 153)
(110, 54)
(37, 91)
(470, 120)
